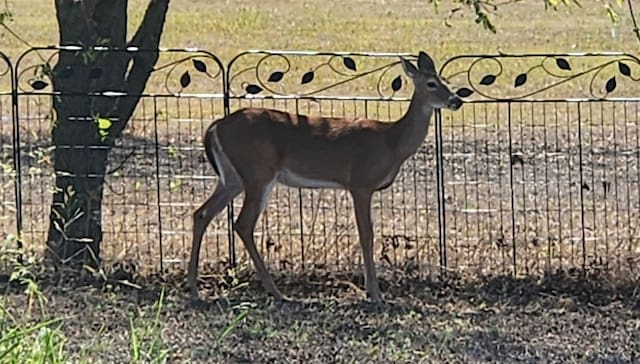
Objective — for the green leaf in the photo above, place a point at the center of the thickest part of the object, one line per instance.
(103, 123)
(232, 325)
(175, 185)
(9, 350)
(5, 16)
(13, 335)
(135, 347)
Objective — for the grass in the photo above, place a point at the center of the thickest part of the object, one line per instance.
(34, 330)
(227, 28)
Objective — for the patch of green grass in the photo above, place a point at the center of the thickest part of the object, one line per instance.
(146, 343)
(32, 333)
(23, 340)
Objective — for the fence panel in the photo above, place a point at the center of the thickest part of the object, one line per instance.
(306, 229)
(541, 167)
(539, 171)
(156, 175)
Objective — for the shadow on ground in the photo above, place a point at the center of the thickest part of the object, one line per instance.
(559, 318)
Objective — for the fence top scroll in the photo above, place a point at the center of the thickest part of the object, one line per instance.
(317, 75)
(6, 73)
(545, 77)
(351, 75)
(486, 196)
(178, 72)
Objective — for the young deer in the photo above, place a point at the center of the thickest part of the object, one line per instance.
(252, 149)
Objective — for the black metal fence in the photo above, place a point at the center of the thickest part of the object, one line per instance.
(539, 171)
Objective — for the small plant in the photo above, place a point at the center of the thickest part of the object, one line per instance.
(175, 185)
(241, 310)
(173, 152)
(67, 213)
(22, 341)
(7, 169)
(146, 341)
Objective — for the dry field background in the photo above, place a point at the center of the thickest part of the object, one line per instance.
(162, 177)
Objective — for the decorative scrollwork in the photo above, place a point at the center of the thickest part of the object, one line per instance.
(36, 70)
(201, 65)
(311, 74)
(5, 66)
(597, 76)
(37, 76)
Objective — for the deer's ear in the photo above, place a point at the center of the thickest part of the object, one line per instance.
(409, 68)
(425, 63)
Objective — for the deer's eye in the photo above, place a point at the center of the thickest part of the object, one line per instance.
(431, 84)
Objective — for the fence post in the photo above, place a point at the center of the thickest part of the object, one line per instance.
(15, 151)
(582, 184)
(442, 233)
(512, 194)
(227, 110)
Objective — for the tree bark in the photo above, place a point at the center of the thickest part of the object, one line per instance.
(82, 143)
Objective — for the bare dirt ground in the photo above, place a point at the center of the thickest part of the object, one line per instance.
(559, 319)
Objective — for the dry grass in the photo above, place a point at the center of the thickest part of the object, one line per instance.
(227, 28)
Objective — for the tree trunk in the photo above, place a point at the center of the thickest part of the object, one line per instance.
(88, 123)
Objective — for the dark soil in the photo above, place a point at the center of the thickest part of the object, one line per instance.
(559, 319)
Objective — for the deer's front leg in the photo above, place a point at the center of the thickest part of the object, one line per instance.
(362, 207)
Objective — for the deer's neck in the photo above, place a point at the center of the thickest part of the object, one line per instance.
(410, 130)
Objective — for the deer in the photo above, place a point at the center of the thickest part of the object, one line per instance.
(252, 149)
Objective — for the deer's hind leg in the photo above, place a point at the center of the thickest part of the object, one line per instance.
(256, 196)
(220, 198)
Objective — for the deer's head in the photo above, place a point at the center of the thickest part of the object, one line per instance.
(429, 85)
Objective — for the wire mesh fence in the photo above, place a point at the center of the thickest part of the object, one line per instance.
(156, 173)
(543, 167)
(555, 186)
(538, 171)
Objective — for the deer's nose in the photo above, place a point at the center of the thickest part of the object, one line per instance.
(455, 102)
